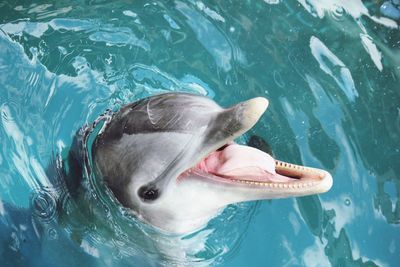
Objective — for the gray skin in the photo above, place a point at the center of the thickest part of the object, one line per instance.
(145, 147)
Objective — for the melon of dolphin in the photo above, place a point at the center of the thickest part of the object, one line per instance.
(172, 160)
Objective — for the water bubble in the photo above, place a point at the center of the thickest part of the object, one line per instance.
(347, 202)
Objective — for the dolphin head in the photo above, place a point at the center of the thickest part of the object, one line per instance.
(172, 160)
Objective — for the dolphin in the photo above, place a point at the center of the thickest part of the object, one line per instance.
(171, 159)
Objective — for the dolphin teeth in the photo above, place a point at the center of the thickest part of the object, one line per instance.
(280, 185)
(295, 185)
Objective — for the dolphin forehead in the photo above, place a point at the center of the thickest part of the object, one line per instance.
(169, 112)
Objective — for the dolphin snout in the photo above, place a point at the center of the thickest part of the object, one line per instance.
(253, 109)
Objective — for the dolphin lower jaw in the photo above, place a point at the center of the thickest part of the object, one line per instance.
(306, 181)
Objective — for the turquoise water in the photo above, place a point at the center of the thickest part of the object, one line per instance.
(330, 70)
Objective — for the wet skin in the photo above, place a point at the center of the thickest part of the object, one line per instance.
(172, 160)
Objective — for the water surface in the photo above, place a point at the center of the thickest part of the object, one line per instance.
(330, 70)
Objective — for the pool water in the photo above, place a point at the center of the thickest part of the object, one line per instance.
(330, 69)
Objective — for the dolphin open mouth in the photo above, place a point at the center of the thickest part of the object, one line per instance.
(234, 163)
(244, 165)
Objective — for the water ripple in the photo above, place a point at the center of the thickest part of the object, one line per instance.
(218, 46)
(44, 206)
(119, 38)
(372, 50)
(334, 67)
(354, 8)
(327, 68)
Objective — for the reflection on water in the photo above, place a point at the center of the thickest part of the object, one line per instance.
(330, 70)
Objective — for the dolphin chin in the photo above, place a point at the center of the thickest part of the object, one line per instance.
(173, 161)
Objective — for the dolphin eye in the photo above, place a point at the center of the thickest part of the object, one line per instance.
(148, 193)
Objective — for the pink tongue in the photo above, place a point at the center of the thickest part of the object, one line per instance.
(244, 163)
